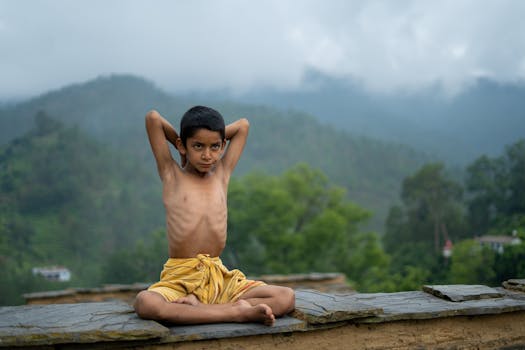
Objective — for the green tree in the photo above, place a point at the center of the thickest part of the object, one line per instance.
(260, 217)
(298, 222)
(510, 263)
(141, 263)
(430, 213)
(515, 155)
(66, 199)
(472, 263)
(496, 189)
(430, 195)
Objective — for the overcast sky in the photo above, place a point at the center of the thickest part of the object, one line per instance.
(187, 45)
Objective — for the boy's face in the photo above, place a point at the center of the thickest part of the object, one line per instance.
(203, 150)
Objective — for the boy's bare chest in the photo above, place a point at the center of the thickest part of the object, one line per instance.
(195, 196)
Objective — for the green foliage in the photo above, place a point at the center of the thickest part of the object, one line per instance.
(431, 202)
(405, 279)
(287, 221)
(298, 222)
(511, 263)
(17, 278)
(431, 214)
(65, 200)
(367, 264)
(472, 263)
(140, 263)
(497, 189)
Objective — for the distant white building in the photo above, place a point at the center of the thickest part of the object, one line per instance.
(498, 243)
(53, 273)
(447, 249)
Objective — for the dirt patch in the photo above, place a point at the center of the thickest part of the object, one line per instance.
(463, 332)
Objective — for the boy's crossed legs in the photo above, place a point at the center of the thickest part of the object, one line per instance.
(259, 304)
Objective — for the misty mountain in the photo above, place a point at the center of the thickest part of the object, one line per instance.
(111, 110)
(481, 120)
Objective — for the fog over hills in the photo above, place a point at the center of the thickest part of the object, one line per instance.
(482, 119)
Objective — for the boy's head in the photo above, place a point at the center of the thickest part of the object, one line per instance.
(201, 117)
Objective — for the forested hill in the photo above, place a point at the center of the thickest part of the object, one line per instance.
(66, 198)
(111, 109)
(481, 119)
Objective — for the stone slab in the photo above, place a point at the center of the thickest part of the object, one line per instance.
(511, 293)
(284, 324)
(320, 308)
(462, 292)
(313, 276)
(32, 325)
(515, 284)
(419, 305)
(108, 288)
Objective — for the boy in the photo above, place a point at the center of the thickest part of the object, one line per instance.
(195, 287)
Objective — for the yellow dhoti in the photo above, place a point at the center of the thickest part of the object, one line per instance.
(205, 277)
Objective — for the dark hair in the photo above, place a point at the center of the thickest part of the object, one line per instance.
(200, 117)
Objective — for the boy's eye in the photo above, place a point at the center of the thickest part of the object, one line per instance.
(215, 147)
(197, 146)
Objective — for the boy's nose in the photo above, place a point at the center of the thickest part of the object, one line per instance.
(206, 154)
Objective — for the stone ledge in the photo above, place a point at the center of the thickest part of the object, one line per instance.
(110, 292)
(114, 324)
(315, 307)
(284, 324)
(74, 323)
(515, 284)
(462, 292)
(420, 306)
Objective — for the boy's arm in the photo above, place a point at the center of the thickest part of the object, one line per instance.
(236, 133)
(159, 131)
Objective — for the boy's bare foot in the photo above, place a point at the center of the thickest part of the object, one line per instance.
(189, 299)
(258, 313)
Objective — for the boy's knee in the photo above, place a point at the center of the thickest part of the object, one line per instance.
(286, 300)
(147, 306)
(289, 297)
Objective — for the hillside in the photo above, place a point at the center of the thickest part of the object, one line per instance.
(67, 199)
(482, 119)
(111, 110)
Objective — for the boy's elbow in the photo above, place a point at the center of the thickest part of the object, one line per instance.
(152, 118)
(152, 115)
(245, 124)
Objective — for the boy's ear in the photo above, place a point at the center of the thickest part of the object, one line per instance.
(224, 142)
(180, 146)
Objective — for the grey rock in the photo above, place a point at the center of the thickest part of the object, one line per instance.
(420, 305)
(462, 292)
(74, 323)
(515, 284)
(512, 293)
(319, 308)
(284, 324)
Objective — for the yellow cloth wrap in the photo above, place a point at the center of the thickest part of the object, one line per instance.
(205, 277)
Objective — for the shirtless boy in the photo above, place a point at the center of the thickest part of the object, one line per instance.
(195, 287)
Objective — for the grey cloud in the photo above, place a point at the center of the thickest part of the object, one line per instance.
(387, 46)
